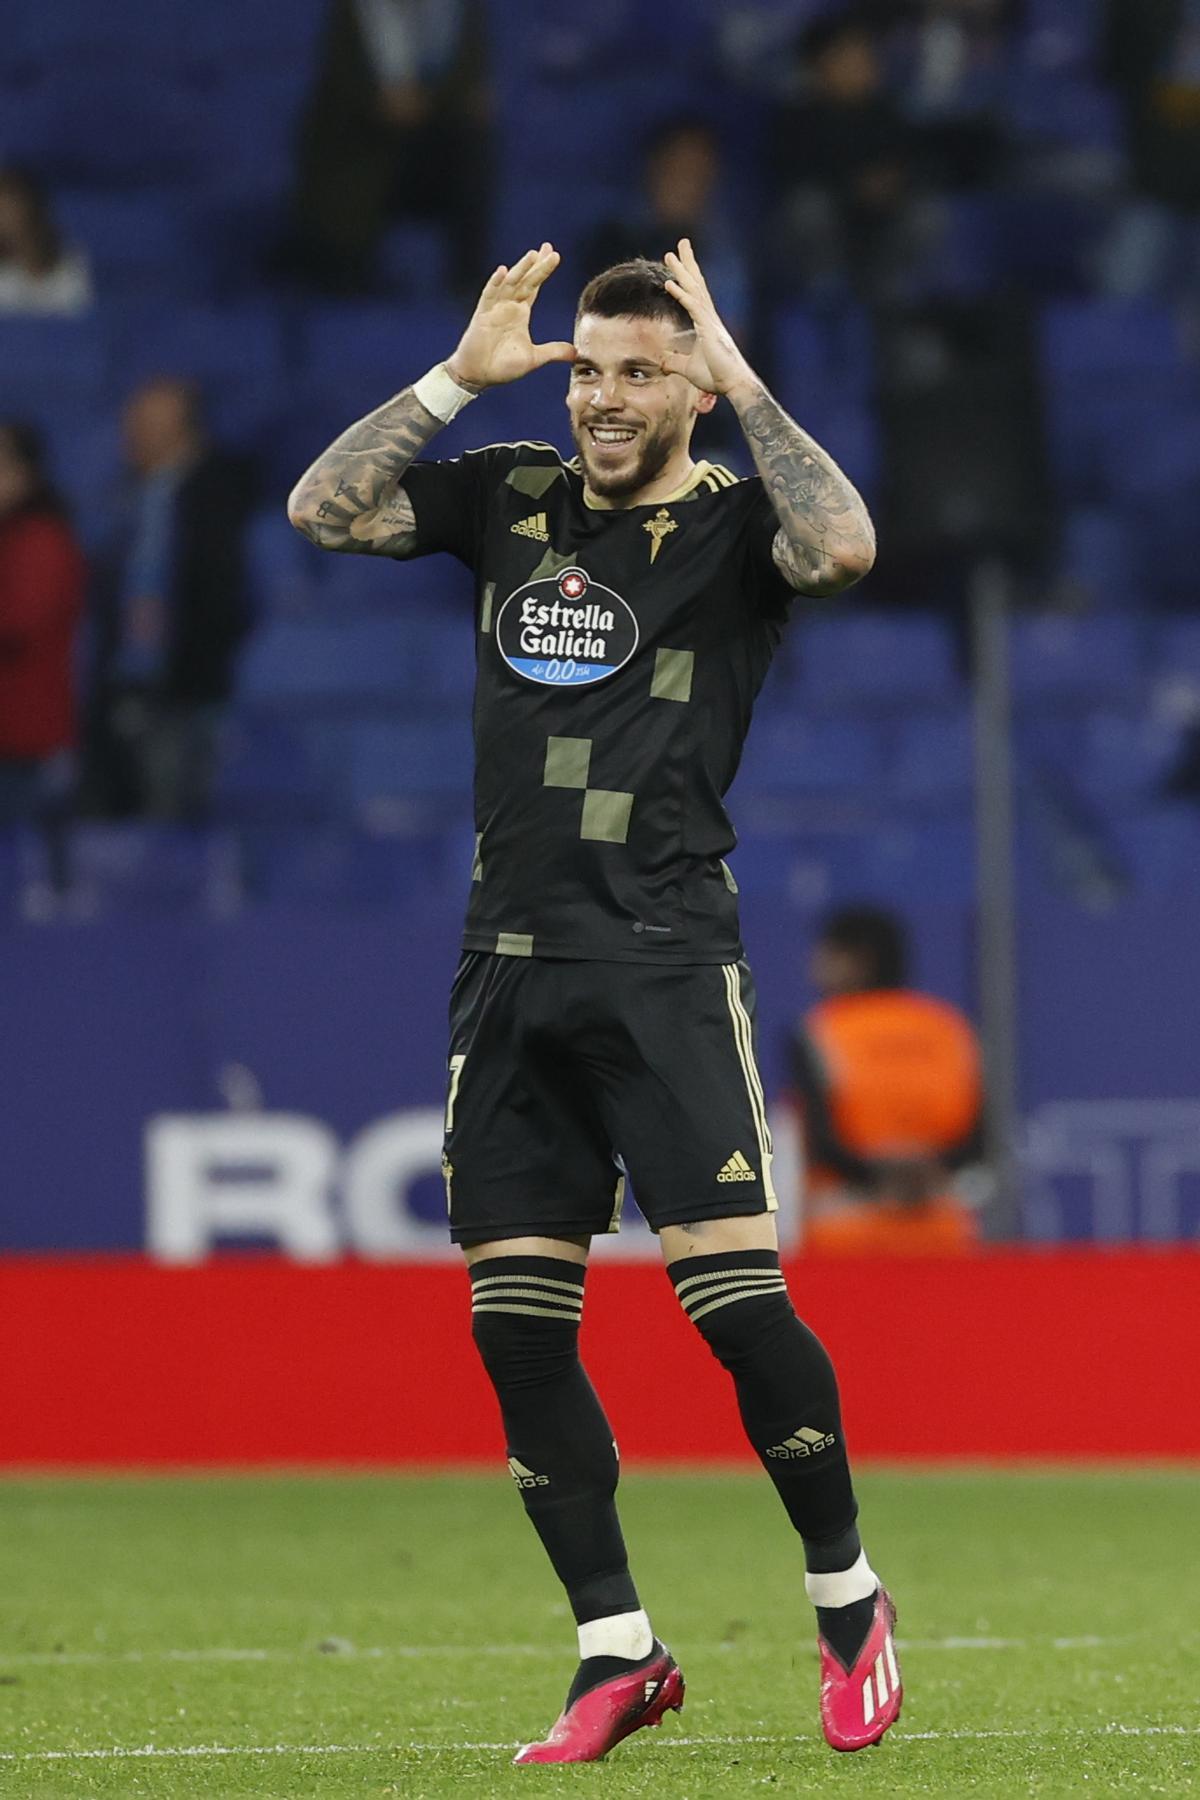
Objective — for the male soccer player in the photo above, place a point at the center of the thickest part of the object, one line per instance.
(628, 605)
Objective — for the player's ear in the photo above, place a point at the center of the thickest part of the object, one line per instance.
(705, 401)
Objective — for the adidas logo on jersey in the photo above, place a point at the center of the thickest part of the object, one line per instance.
(525, 1478)
(533, 527)
(737, 1169)
(803, 1442)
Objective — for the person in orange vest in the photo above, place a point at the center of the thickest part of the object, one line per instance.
(889, 1089)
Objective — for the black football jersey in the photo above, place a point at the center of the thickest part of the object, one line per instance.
(619, 653)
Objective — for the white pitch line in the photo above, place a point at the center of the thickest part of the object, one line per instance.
(216, 1653)
(898, 1738)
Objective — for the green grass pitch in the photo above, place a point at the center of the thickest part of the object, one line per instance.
(382, 1635)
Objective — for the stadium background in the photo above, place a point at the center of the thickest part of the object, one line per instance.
(222, 1047)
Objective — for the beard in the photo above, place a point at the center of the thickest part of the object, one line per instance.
(654, 451)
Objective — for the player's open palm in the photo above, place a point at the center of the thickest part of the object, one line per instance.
(714, 362)
(496, 346)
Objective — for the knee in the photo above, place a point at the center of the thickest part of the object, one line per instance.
(738, 1302)
(526, 1327)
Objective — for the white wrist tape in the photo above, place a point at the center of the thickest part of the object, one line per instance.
(441, 395)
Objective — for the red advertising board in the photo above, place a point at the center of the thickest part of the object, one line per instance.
(117, 1362)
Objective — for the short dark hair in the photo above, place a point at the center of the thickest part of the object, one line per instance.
(877, 936)
(31, 193)
(25, 443)
(633, 290)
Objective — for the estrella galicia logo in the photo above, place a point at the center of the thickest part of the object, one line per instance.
(566, 630)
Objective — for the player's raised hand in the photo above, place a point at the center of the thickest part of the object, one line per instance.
(496, 346)
(714, 363)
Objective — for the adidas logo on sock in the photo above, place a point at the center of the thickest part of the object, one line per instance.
(803, 1442)
(737, 1169)
(525, 1478)
(533, 527)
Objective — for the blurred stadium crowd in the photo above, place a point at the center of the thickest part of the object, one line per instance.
(226, 231)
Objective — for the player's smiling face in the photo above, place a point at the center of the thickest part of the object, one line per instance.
(631, 422)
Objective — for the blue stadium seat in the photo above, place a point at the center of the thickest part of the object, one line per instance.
(807, 870)
(1105, 341)
(814, 355)
(109, 126)
(353, 584)
(876, 659)
(1098, 556)
(385, 340)
(1045, 105)
(813, 756)
(1152, 458)
(293, 663)
(337, 865)
(907, 864)
(245, 130)
(1177, 644)
(218, 38)
(1125, 757)
(111, 35)
(1057, 657)
(283, 571)
(415, 759)
(231, 344)
(1159, 849)
(276, 770)
(931, 764)
(412, 259)
(235, 353)
(138, 243)
(155, 869)
(60, 359)
(24, 873)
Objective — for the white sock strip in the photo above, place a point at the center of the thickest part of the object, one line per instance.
(858, 1582)
(621, 1634)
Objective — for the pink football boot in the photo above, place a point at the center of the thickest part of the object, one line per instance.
(612, 1710)
(858, 1704)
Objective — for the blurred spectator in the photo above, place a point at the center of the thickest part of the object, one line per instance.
(1151, 56)
(953, 60)
(850, 217)
(396, 127)
(171, 611)
(681, 181)
(42, 582)
(38, 272)
(890, 1095)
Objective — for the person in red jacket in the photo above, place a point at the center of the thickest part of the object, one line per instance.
(42, 579)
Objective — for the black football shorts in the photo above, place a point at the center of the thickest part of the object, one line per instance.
(566, 1076)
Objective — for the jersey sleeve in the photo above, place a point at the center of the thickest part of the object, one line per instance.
(451, 501)
(769, 592)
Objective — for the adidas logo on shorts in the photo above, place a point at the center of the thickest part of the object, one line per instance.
(533, 527)
(737, 1169)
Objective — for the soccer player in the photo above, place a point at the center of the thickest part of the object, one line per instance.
(628, 605)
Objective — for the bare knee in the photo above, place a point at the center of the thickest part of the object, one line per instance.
(572, 1250)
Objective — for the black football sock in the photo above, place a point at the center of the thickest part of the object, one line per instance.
(525, 1314)
(787, 1395)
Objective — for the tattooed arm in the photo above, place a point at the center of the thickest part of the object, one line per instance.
(825, 538)
(353, 496)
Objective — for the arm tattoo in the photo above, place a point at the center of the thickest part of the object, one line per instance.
(825, 539)
(351, 497)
